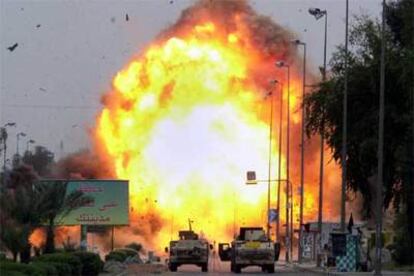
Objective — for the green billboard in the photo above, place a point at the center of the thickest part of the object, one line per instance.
(110, 205)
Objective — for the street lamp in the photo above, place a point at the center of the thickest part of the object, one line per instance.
(18, 135)
(29, 142)
(3, 136)
(318, 13)
(302, 148)
(251, 180)
(283, 64)
(270, 94)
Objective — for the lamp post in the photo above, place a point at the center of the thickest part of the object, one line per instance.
(379, 199)
(251, 180)
(4, 139)
(270, 94)
(302, 148)
(29, 142)
(318, 13)
(279, 170)
(3, 133)
(18, 135)
(283, 64)
(344, 125)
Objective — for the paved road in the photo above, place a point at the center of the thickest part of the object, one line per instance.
(185, 271)
(224, 269)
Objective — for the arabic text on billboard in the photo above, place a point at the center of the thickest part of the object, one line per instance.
(109, 206)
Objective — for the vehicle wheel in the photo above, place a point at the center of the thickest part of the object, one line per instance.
(173, 267)
(204, 267)
(237, 269)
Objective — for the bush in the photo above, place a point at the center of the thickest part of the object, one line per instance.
(48, 268)
(135, 246)
(66, 258)
(128, 251)
(91, 263)
(11, 273)
(402, 252)
(25, 269)
(62, 268)
(118, 256)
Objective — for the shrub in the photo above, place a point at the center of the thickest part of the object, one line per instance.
(48, 268)
(135, 246)
(11, 273)
(73, 261)
(22, 268)
(63, 269)
(91, 263)
(118, 256)
(129, 252)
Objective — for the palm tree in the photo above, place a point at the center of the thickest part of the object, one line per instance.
(26, 203)
(19, 204)
(56, 203)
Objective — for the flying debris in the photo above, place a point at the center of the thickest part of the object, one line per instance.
(126, 17)
(11, 48)
(38, 26)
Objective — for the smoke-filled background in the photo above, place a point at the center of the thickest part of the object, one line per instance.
(184, 126)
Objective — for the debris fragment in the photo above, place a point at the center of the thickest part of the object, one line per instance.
(11, 48)
(126, 17)
(38, 26)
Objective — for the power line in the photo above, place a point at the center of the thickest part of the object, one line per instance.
(51, 106)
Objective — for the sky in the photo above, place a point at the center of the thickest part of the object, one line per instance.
(69, 51)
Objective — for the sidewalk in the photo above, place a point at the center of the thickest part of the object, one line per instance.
(311, 268)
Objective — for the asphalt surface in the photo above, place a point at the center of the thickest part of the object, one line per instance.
(224, 269)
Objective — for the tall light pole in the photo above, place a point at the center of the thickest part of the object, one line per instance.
(302, 148)
(344, 125)
(379, 201)
(29, 142)
(318, 13)
(3, 133)
(281, 64)
(270, 94)
(279, 171)
(18, 135)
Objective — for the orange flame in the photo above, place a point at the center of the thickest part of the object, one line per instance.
(185, 122)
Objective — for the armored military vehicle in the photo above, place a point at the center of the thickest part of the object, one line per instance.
(251, 248)
(188, 249)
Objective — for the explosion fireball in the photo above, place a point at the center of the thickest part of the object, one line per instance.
(188, 117)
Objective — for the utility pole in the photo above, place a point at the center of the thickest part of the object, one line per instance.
(302, 150)
(279, 171)
(270, 94)
(270, 163)
(281, 64)
(379, 201)
(344, 125)
(321, 168)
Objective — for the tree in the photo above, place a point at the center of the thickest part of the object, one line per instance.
(19, 203)
(41, 160)
(363, 103)
(56, 203)
(27, 204)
